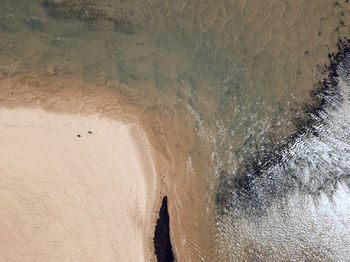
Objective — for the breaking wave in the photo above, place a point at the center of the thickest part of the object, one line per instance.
(293, 202)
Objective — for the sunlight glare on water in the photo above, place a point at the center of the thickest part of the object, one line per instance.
(299, 208)
(220, 88)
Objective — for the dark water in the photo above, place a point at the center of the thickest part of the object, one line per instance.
(161, 239)
(231, 93)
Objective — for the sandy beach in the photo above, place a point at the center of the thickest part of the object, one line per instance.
(74, 188)
(212, 85)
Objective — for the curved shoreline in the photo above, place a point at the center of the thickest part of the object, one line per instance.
(96, 110)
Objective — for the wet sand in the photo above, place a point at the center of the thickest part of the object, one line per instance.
(74, 188)
(197, 75)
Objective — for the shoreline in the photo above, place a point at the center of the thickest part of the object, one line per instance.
(169, 145)
(138, 144)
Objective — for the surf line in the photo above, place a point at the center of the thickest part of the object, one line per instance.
(276, 172)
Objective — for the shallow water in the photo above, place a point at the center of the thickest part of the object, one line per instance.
(219, 86)
(296, 208)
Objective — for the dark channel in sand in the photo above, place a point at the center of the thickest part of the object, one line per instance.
(325, 97)
(162, 244)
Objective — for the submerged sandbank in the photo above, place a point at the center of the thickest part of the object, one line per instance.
(74, 188)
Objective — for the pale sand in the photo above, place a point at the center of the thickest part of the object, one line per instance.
(65, 198)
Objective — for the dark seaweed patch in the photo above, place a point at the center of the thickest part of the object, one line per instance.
(4, 27)
(35, 24)
(123, 26)
(88, 12)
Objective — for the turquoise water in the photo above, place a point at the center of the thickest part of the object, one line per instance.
(228, 83)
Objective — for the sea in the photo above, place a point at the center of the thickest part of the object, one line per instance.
(246, 104)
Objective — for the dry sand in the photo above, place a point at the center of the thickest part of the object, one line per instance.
(70, 198)
(264, 43)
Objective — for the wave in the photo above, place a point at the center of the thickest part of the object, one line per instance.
(275, 192)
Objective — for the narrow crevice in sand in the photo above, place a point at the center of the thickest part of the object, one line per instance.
(162, 244)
